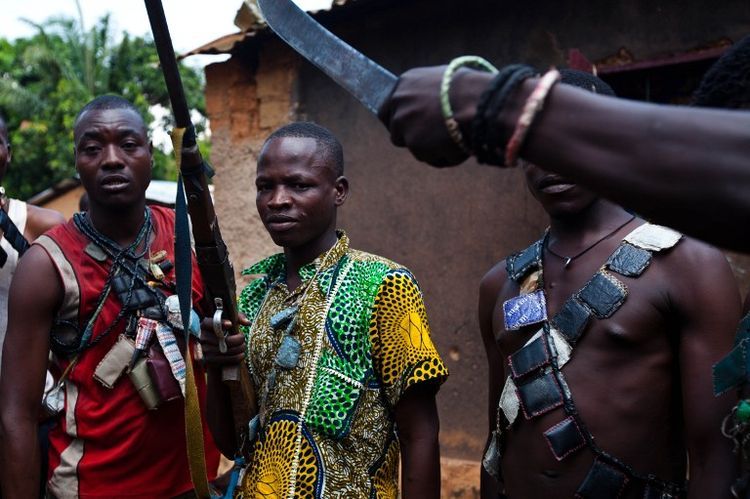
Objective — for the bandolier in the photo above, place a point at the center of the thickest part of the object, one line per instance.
(536, 384)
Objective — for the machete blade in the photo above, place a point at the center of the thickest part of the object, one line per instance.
(368, 82)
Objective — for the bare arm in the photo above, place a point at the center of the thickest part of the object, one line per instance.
(684, 167)
(489, 290)
(35, 295)
(418, 426)
(709, 303)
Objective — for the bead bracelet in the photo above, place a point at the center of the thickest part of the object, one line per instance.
(531, 109)
(451, 124)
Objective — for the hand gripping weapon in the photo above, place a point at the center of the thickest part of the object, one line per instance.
(210, 249)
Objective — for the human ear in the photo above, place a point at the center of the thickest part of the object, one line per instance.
(342, 190)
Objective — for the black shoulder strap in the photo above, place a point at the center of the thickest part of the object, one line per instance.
(518, 265)
(13, 235)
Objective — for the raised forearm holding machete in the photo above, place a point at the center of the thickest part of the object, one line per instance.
(626, 151)
(211, 252)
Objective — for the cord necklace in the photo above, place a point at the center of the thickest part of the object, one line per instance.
(569, 259)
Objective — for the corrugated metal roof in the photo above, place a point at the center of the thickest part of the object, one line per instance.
(251, 24)
(223, 45)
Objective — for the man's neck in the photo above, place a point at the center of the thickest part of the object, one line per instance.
(575, 231)
(121, 226)
(300, 256)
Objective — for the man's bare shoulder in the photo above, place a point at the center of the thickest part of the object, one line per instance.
(693, 255)
(494, 280)
(36, 260)
(695, 274)
(34, 268)
(40, 220)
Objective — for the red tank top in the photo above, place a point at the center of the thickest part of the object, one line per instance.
(106, 443)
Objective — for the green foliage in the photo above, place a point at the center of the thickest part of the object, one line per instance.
(45, 79)
(164, 164)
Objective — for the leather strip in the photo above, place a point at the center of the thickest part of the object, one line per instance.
(509, 402)
(519, 264)
(529, 358)
(603, 481)
(493, 456)
(653, 237)
(564, 438)
(524, 310)
(562, 347)
(539, 395)
(572, 319)
(604, 294)
(629, 261)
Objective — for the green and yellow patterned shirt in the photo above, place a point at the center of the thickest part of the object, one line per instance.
(328, 428)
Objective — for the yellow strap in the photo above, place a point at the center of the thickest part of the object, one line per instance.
(193, 425)
(194, 431)
(176, 135)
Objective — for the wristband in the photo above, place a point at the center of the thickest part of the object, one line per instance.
(451, 124)
(531, 109)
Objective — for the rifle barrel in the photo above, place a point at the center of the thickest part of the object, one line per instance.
(163, 43)
(211, 252)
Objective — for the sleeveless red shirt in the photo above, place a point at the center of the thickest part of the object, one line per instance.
(106, 443)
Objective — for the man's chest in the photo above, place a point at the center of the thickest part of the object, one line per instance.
(600, 309)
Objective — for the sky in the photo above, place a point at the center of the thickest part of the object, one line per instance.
(192, 23)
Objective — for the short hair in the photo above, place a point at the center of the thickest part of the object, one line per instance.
(105, 102)
(726, 84)
(586, 81)
(327, 144)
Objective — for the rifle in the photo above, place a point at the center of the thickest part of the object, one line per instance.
(210, 249)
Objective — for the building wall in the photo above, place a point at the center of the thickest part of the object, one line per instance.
(449, 226)
(67, 203)
(244, 110)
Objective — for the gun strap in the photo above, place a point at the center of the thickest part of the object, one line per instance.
(12, 235)
(183, 273)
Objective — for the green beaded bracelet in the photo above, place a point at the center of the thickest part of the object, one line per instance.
(451, 124)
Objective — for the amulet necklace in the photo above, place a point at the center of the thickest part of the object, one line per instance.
(569, 259)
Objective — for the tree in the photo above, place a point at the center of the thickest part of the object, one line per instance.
(46, 78)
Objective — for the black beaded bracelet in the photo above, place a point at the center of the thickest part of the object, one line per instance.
(486, 142)
(481, 149)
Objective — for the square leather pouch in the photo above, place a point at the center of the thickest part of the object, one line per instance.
(529, 358)
(161, 375)
(572, 319)
(540, 395)
(114, 362)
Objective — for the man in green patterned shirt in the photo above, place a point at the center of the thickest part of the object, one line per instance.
(338, 347)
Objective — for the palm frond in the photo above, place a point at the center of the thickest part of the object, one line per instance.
(18, 100)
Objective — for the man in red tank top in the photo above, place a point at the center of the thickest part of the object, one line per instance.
(100, 283)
